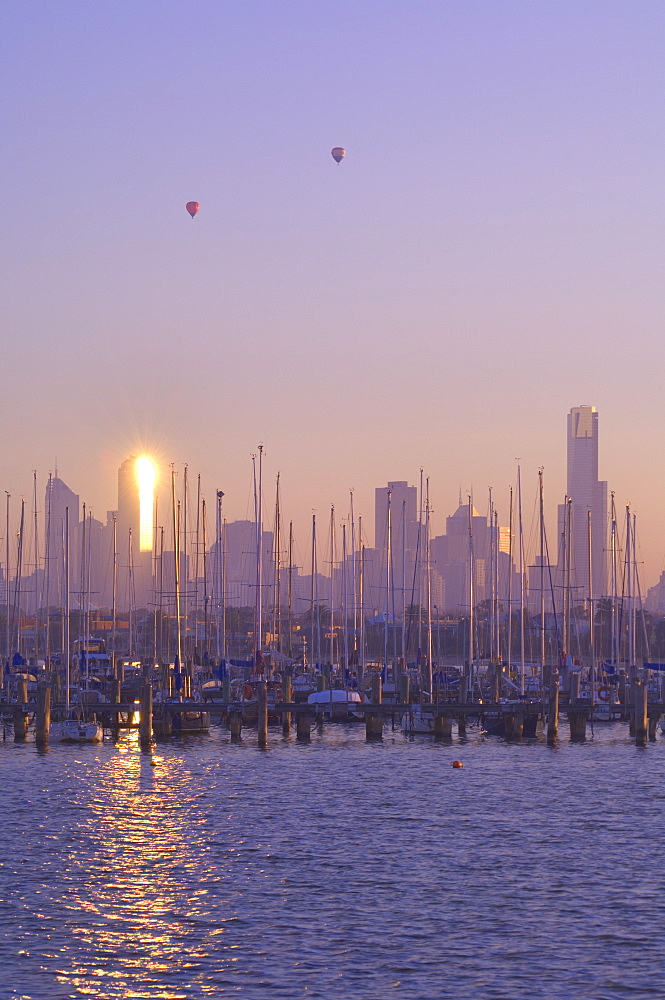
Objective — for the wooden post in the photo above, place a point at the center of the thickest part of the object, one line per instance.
(443, 727)
(287, 695)
(226, 690)
(463, 689)
(553, 709)
(43, 724)
(234, 720)
(641, 694)
(374, 720)
(262, 709)
(404, 688)
(320, 682)
(145, 725)
(653, 726)
(304, 726)
(496, 681)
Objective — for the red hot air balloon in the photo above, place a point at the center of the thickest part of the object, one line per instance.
(338, 153)
(192, 207)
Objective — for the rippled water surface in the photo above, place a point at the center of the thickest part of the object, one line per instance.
(339, 869)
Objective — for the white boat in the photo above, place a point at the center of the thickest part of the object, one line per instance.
(75, 731)
(417, 721)
(338, 704)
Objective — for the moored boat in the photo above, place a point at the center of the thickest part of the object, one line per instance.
(76, 731)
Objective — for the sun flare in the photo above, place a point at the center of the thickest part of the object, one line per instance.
(145, 474)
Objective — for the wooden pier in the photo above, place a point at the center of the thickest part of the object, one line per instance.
(641, 714)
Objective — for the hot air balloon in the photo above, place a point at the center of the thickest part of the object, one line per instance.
(338, 153)
(192, 207)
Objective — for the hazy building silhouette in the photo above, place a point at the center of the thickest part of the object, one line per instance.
(58, 498)
(586, 494)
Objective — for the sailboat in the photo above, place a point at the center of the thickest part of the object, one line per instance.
(75, 730)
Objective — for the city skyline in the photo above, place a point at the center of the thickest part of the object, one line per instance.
(487, 255)
(135, 545)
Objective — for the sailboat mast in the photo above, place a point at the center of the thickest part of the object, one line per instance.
(389, 555)
(509, 636)
(175, 510)
(182, 532)
(345, 613)
(67, 636)
(290, 588)
(614, 655)
(47, 570)
(541, 527)
(428, 584)
(404, 584)
(277, 622)
(205, 577)
(312, 653)
(361, 597)
(8, 623)
(331, 657)
(492, 588)
(472, 599)
(36, 545)
(568, 549)
(259, 560)
(592, 651)
(521, 561)
(130, 550)
(197, 550)
(354, 582)
(420, 568)
(219, 565)
(629, 595)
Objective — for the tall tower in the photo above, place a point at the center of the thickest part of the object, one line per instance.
(58, 498)
(134, 530)
(587, 494)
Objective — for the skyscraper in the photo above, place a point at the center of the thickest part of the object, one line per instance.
(135, 529)
(585, 494)
(59, 498)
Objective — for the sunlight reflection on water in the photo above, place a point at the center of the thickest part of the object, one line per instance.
(337, 869)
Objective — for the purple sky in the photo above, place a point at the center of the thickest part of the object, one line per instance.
(489, 254)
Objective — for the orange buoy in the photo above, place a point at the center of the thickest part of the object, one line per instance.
(458, 763)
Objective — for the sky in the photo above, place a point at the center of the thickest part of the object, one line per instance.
(489, 254)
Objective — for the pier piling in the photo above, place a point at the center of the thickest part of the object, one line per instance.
(374, 721)
(303, 726)
(43, 719)
(262, 708)
(640, 702)
(443, 727)
(234, 720)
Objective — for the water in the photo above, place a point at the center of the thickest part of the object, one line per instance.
(339, 869)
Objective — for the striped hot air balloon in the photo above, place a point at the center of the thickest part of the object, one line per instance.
(338, 153)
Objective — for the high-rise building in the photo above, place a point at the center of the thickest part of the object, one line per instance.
(59, 499)
(586, 495)
(134, 529)
(403, 511)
